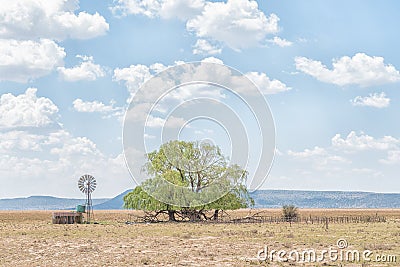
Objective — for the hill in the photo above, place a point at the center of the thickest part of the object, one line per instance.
(303, 199)
(262, 198)
(115, 203)
(324, 199)
(43, 203)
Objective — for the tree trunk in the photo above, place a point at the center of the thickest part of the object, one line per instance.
(171, 215)
(216, 215)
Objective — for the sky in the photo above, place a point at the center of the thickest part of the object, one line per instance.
(329, 71)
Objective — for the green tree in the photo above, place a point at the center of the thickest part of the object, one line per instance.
(197, 168)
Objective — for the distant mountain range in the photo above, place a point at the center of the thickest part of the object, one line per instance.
(324, 199)
(262, 198)
(44, 203)
(115, 203)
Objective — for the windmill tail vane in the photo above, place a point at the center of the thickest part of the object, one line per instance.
(87, 184)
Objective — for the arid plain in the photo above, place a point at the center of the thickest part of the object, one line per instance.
(28, 238)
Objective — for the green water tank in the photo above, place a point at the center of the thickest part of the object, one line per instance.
(80, 208)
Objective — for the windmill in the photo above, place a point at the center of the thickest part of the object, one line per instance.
(87, 184)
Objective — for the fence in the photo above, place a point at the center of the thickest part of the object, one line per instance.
(307, 220)
(260, 218)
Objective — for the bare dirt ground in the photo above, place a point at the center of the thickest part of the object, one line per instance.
(27, 238)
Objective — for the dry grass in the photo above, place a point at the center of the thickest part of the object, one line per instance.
(29, 239)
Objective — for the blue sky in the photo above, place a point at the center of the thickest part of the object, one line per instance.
(328, 69)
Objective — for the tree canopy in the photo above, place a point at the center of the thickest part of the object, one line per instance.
(204, 179)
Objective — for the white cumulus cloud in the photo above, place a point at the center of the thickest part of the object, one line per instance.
(42, 157)
(55, 19)
(170, 122)
(21, 61)
(354, 142)
(204, 47)
(308, 153)
(27, 110)
(235, 23)
(393, 157)
(54, 161)
(280, 42)
(16, 140)
(134, 76)
(266, 85)
(91, 106)
(357, 156)
(181, 9)
(213, 60)
(321, 159)
(373, 100)
(361, 69)
(76, 146)
(135, 7)
(87, 70)
(98, 107)
(238, 24)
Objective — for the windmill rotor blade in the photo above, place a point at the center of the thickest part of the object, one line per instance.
(87, 183)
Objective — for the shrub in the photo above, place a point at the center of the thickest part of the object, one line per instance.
(290, 213)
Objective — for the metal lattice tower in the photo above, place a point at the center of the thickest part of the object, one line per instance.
(87, 184)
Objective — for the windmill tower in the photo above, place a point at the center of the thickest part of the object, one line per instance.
(87, 184)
